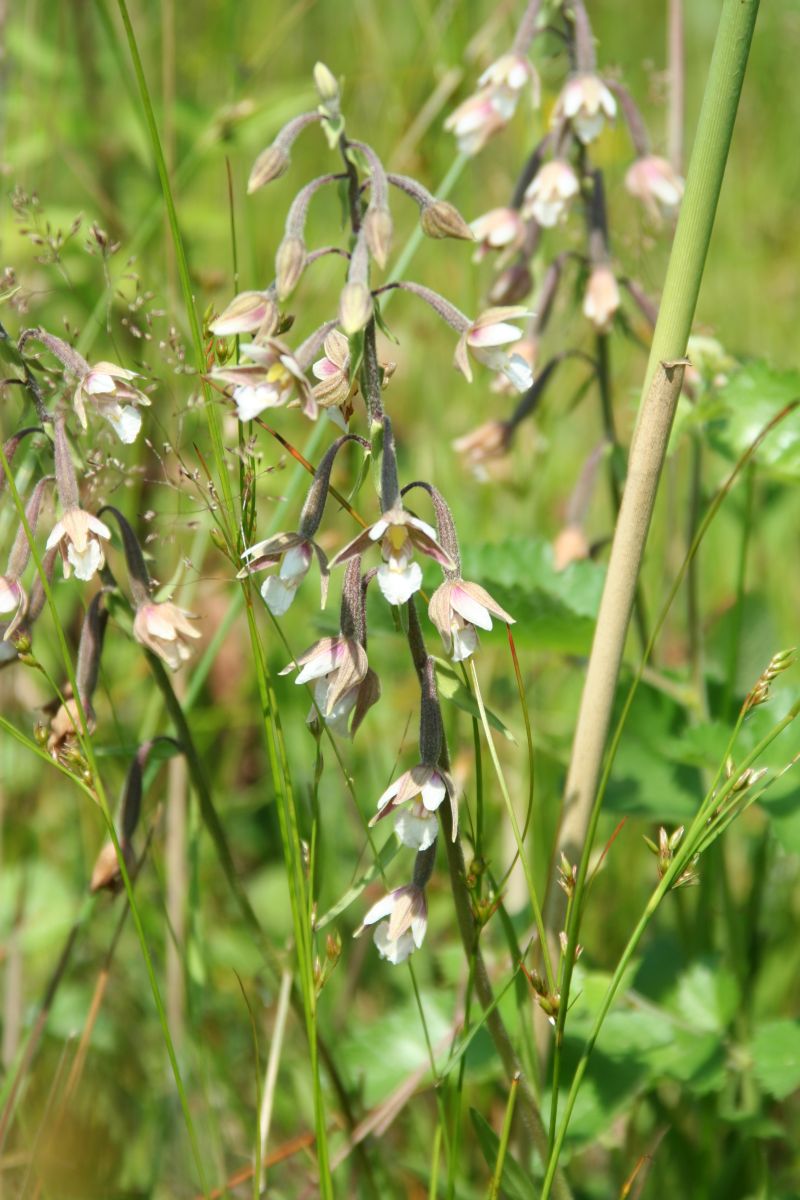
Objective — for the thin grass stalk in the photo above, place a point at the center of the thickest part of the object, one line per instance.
(271, 1078)
(505, 1135)
(573, 912)
(212, 416)
(734, 642)
(512, 816)
(97, 792)
(690, 846)
(293, 856)
(657, 408)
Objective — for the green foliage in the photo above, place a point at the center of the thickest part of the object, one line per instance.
(703, 1040)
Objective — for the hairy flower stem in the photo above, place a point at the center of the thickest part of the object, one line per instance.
(470, 933)
(657, 409)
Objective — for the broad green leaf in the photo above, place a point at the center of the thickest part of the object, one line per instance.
(650, 777)
(515, 1181)
(751, 398)
(776, 1057)
(385, 1054)
(553, 609)
(706, 997)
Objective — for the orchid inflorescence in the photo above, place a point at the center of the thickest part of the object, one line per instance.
(328, 373)
(558, 176)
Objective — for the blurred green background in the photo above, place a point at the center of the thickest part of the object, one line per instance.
(226, 78)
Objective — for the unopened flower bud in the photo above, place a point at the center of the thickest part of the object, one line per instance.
(569, 546)
(289, 263)
(440, 219)
(246, 313)
(106, 873)
(601, 299)
(355, 307)
(326, 84)
(270, 164)
(378, 231)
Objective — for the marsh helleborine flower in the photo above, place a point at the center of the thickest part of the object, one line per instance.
(549, 193)
(335, 392)
(492, 106)
(399, 534)
(248, 312)
(485, 339)
(654, 181)
(108, 389)
(488, 443)
(587, 104)
(294, 554)
(430, 783)
(77, 536)
(498, 229)
(337, 666)
(404, 932)
(458, 609)
(601, 298)
(272, 379)
(164, 628)
(12, 600)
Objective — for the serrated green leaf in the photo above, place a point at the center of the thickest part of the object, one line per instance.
(776, 1057)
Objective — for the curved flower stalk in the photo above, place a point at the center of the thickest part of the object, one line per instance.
(78, 534)
(160, 626)
(13, 599)
(399, 534)
(63, 736)
(457, 608)
(427, 780)
(293, 552)
(344, 685)
(105, 387)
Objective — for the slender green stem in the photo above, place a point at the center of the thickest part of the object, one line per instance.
(497, 1178)
(734, 642)
(512, 816)
(693, 618)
